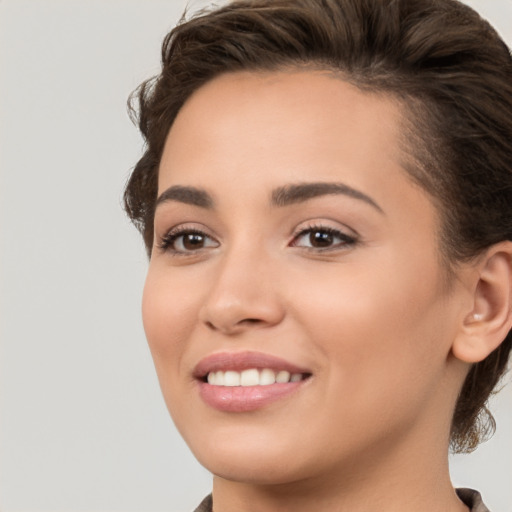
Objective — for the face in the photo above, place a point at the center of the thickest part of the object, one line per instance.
(295, 304)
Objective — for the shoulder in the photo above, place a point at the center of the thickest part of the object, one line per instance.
(472, 499)
(205, 505)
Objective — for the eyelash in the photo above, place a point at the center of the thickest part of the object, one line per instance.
(167, 242)
(346, 240)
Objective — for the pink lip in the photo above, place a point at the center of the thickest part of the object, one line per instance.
(244, 398)
(239, 361)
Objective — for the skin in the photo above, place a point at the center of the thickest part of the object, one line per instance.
(374, 321)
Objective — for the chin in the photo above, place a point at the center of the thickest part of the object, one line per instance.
(258, 470)
(256, 460)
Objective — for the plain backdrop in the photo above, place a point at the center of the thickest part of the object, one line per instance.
(82, 424)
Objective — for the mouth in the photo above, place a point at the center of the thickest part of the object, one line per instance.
(241, 382)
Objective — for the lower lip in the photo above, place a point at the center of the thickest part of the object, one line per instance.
(245, 398)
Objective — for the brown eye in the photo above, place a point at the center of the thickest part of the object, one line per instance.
(187, 242)
(193, 241)
(322, 239)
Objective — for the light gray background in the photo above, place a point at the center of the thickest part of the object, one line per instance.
(83, 426)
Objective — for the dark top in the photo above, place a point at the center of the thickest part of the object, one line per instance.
(469, 497)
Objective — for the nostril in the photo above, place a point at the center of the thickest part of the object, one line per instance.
(234, 328)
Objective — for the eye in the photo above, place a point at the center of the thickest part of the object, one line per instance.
(186, 241)
(322, 238)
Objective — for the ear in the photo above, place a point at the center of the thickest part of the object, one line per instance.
(490, 319)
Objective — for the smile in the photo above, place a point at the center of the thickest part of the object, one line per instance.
(252, 377)
(247, 381)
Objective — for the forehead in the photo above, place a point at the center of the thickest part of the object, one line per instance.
(290, 116)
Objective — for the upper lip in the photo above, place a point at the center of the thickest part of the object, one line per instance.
(239, 361)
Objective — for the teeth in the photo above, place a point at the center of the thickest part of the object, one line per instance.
(252, 377)
(231, 379)
(283, 376)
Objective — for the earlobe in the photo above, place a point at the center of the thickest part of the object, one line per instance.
(490, 319)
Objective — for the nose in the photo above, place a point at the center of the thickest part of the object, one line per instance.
(243, 295)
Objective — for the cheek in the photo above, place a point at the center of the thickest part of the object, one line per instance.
(380, 326)
(168, 314)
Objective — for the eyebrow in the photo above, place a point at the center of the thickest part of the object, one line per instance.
(281, 196)
(188, 195)
(300, 192)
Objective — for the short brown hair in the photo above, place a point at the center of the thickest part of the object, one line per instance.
(447, 66)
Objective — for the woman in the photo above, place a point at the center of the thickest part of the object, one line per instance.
(325, 198)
